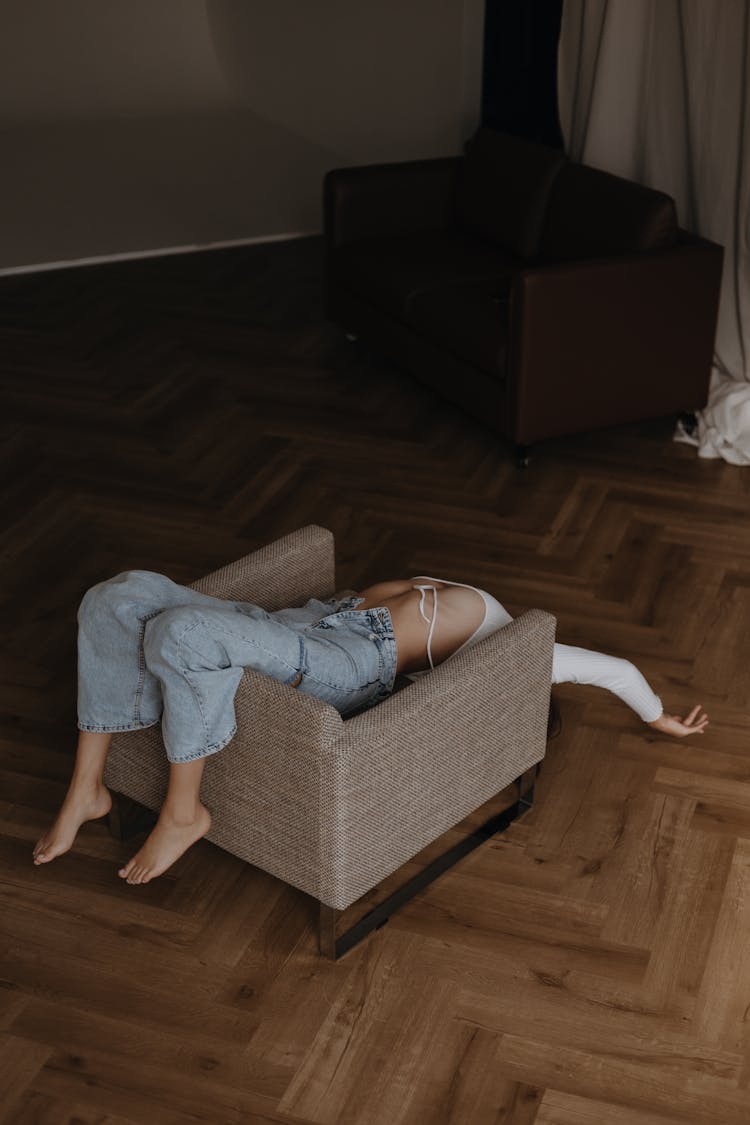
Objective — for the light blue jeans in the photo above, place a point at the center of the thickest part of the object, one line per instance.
(151, 650)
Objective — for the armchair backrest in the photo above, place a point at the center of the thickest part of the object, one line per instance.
(502, 189)
(592, 213)
(531, 200)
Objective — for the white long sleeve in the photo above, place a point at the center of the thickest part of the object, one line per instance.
(585, 666)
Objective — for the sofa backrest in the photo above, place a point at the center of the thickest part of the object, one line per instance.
(592, 213)
(503, 187)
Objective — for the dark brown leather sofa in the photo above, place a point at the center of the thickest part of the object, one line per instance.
(543, 296)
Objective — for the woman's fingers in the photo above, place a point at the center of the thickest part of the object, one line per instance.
(693, 723)
(696, 717)
(700, 725)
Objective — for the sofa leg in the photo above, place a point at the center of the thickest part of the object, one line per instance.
(334, 947)
(522, 455)
(128, 818)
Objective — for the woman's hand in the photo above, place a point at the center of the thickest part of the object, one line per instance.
(674, 724)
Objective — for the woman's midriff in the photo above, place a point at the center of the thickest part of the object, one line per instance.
(460, 611)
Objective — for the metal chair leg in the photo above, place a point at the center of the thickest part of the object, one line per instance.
(334, 947)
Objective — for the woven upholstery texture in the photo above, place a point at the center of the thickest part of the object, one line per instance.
(333, 805)
(423, 759)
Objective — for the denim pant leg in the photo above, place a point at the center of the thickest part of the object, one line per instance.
(116, 689)
(198, 655)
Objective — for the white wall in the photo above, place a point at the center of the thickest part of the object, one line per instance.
(160, 124)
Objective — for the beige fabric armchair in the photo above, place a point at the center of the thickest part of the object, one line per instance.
(334, 805)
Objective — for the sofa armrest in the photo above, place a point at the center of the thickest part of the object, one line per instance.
(396, 198)
(286, 572)
(268, 789)
(592, 341)
(409, 769)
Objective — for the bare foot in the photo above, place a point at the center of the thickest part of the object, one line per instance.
(167, 841)
(80, 804)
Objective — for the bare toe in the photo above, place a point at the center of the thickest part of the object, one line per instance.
(48, 852)
(81, 803)
(168, 840)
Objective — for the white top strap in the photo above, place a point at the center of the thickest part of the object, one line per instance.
(434, 616)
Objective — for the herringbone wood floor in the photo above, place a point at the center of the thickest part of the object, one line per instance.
(589, 967)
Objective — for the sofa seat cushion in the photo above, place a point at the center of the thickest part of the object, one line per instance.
(593, 214)
(469, 320)
(391, 272)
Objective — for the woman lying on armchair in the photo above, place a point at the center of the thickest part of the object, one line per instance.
(151, 650)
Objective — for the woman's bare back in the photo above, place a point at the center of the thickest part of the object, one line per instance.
(460, 612)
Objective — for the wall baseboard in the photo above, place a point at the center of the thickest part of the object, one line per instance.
(100, 259)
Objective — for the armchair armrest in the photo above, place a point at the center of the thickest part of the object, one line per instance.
(396, 198)
(290, 570)
(272, 784)
(420, 761)
(594, 342)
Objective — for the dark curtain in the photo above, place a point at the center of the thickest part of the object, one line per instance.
(519, 79)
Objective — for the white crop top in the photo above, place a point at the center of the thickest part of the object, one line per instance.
(495, 616)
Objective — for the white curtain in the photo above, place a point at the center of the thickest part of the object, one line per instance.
(657, 91)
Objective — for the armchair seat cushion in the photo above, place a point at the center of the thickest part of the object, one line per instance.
(469, 320)
(391, 272)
